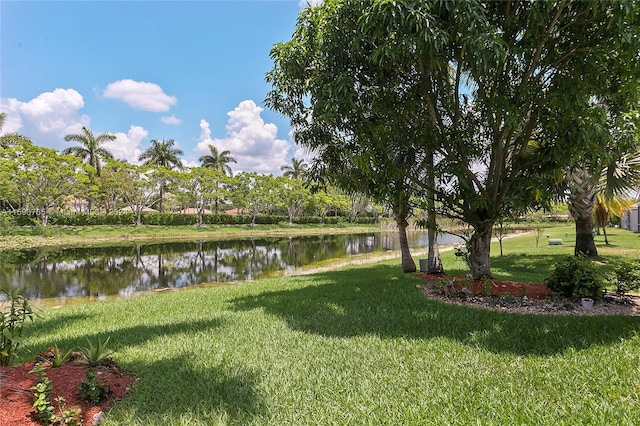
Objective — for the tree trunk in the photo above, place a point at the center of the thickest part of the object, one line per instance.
(480, 251)
(585, 243)
(434, 263)
(582, 197)
(408, 265)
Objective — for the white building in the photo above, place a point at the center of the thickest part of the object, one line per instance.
(631, 219)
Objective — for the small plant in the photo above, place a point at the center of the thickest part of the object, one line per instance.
(95, 354)
(42, 396)
(576, 276)
(486, 287)
(55, 356)
(67, 417)
(464, 252)
(91, 390)
(12, 323)
(627, 277)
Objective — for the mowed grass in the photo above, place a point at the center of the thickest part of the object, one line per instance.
(360, 346)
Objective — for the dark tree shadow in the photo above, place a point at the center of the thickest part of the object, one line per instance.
(225, 390)
(378, 300)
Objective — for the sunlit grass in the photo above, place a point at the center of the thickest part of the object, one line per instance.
(360, 346)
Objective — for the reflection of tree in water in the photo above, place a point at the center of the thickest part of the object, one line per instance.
(99, 271)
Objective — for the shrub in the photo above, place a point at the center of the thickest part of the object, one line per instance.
(576, 276)
(12, 323)
(627, 274)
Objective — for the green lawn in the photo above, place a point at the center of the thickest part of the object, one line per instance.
(360, 346)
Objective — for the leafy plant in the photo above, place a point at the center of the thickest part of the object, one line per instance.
(627, 274)
(70, 417)
(576, 276)
(12, 323)
(56, 357)
(95, 354)
(91, 390)
(464, 252)
(42, 396)
(45, 410)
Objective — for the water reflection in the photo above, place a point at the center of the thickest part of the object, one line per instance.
(125, 270)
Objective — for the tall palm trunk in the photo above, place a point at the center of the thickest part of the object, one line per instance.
(602, 217)
(582, 196)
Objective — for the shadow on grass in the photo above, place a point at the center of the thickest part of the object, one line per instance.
(524, 268)
(379, 300)
(173, 386)
(179, 390)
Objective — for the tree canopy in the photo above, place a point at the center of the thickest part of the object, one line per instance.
(478, 84)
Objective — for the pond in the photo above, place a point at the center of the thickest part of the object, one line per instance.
(97, 273)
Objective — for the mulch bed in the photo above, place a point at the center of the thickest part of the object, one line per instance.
(519, 297)
(17, 397)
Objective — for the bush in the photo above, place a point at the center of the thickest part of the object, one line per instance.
(627, 274)
(576, 276)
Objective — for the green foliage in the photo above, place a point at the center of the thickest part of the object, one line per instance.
(627, 276)
(56, 357)
(42, 396)
(91, 390)
(576, 276)
(12, 324)
(96, 353)
(463, 252)
(45, 410)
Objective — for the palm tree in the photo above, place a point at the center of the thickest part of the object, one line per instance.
(589, 191)
(10, 138)
(90, 149)
(163, 154)
(218, 160)
(297, 169)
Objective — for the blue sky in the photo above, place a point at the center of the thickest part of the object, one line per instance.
(192, 71)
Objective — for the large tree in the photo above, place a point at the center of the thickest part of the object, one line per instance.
(475, 82)
(39, 176)
(90, 149)
(218, 160)
(162, 154)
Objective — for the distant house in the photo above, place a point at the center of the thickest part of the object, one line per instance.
(631, 219)
(193, 210)
(236, 211)
(144, 209)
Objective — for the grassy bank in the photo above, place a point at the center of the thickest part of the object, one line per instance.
(355, 347)
(83, 236)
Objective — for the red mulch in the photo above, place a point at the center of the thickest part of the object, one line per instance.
(17, 397)
(497, 287)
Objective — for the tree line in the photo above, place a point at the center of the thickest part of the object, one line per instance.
(88, 178)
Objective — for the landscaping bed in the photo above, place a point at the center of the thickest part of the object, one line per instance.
(17, 396)
(519, 297)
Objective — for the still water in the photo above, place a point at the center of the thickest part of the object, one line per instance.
(100, 272)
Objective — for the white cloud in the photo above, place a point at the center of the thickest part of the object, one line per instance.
(140, 95)
(127, 146)
(47, 118)
(172, 119)
(251, 141)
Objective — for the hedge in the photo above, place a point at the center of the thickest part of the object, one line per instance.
(171, 219)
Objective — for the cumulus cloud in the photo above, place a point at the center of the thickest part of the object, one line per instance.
(127, 146)
(251, 141)
(47, 118)
(171, 120)
(140, 95)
